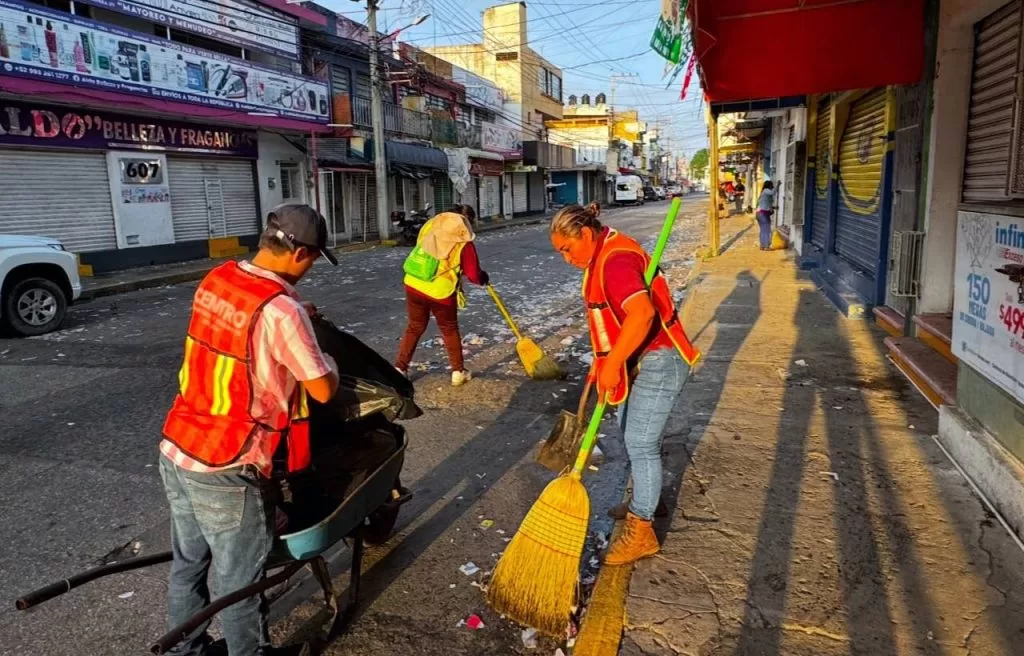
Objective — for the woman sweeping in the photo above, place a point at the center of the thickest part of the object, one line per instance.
(640, 352)
(444, 252)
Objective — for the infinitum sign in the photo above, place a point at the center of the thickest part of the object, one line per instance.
(988, 309)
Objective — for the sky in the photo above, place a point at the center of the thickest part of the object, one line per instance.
(590, 40)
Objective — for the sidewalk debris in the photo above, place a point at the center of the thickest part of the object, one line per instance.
(801, 363)
(486, 524)
(832, 474)
(529, 638)
(469, 569)
(126, 595)
(474, 622)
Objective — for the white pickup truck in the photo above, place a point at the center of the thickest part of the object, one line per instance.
(38, 281)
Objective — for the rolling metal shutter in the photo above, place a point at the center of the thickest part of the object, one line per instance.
(444, 193)
(490, 196)
(519, 193)
(991, 115)
(78, 213)
(861, 158)
(470, 196)
(822, 176)
(364, 198)
(537, 192)
(212, 198)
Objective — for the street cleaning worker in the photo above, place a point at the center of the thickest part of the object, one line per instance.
(764, 215)
(239, 422)
(642, 356)
(444, 252)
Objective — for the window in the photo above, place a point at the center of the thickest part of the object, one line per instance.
(507, 56)
(290, 183)
(362, 85)
(550, 84)
(199, 41)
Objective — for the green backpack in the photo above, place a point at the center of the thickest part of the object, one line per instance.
(421, 265)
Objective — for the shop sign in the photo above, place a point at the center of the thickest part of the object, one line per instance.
(520, 168)
(500, 139)
(240, 22)
(485, 166)
(29, 124)
(45, 45)
(988, 305)
(353, 31)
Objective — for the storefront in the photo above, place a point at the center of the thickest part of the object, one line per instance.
(486, 186)
(134, 190)
(420, 176)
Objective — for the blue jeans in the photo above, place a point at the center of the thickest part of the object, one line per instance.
(642, 419)
(764, 221)
(223, 519)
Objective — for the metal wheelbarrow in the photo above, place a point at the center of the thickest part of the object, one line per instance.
(291, 552)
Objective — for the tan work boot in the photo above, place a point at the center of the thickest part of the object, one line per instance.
(636, 541)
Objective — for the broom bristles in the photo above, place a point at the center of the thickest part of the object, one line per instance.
(535, 582)
(537, 364)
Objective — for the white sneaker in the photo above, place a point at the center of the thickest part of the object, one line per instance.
(404, 372)
(460, 378)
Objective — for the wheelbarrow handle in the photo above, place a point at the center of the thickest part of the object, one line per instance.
(48, 592)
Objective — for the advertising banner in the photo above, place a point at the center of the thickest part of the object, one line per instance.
(243, 23)
(45, 45)
(500, 139)
(988, 304)
(50, 126)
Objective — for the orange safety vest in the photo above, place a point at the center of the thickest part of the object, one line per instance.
(605, 327)
(211, 419)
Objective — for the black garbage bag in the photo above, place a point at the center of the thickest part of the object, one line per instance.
(369, 385)
(351, 435)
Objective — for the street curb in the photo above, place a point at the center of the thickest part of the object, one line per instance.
(177, 278)
(602, 627)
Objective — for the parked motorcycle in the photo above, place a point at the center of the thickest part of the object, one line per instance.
(407, 229)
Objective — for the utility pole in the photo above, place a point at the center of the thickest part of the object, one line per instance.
(377, 117)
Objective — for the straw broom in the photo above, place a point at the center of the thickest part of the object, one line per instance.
(536, 581)
(537, 364)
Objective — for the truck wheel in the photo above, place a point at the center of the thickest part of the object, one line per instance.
(34, 306)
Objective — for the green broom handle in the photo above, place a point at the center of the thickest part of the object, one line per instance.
(666, 232)
(595, 419)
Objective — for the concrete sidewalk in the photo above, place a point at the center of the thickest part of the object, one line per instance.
(119, 282)
(812, 513)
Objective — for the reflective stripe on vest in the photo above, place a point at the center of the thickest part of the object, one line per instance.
(211, 419)
(446, 282)
(603, 322)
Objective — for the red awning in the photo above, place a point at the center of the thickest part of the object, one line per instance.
(753, 49)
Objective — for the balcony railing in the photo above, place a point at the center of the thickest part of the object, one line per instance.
(397, 120)
(468, 136)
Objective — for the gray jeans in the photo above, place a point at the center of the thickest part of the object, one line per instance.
(642, 419)
(222, 519)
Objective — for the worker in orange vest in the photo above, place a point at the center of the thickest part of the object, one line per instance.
(642, 357)
(239, 421)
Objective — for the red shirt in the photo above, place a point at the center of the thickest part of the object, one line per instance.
(624, 279)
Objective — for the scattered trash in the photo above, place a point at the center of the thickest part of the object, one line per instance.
(506, 539)
(71, 423)
(837, 407)
(529, 638)
(588, 580)
(783, 374)
(451, 586)
(499, 531)
(474, 622)
(832, 474)
(911, 426)
(126, 595)
(602, 540)
(469, 569)
(480, 476)
(559, 652)
(801, 363)
(5, 351)
(567, 341)
(593, 468)
(595, 561)
(476, 584)
(486, 524)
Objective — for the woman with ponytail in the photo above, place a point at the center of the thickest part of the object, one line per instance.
(642, 357)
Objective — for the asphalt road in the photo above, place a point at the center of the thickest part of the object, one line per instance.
(82, 411)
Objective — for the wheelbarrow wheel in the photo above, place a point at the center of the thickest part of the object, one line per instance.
(381, 522)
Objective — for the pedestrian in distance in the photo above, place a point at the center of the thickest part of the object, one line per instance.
(443, 254)
(764, 214)
(239, 423)
(740, 191)
(642, 358)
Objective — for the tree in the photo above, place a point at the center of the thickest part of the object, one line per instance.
(699, 164)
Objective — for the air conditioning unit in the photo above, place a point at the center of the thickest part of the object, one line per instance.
(796, 177)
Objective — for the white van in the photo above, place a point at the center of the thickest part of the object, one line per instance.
(629, 189)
